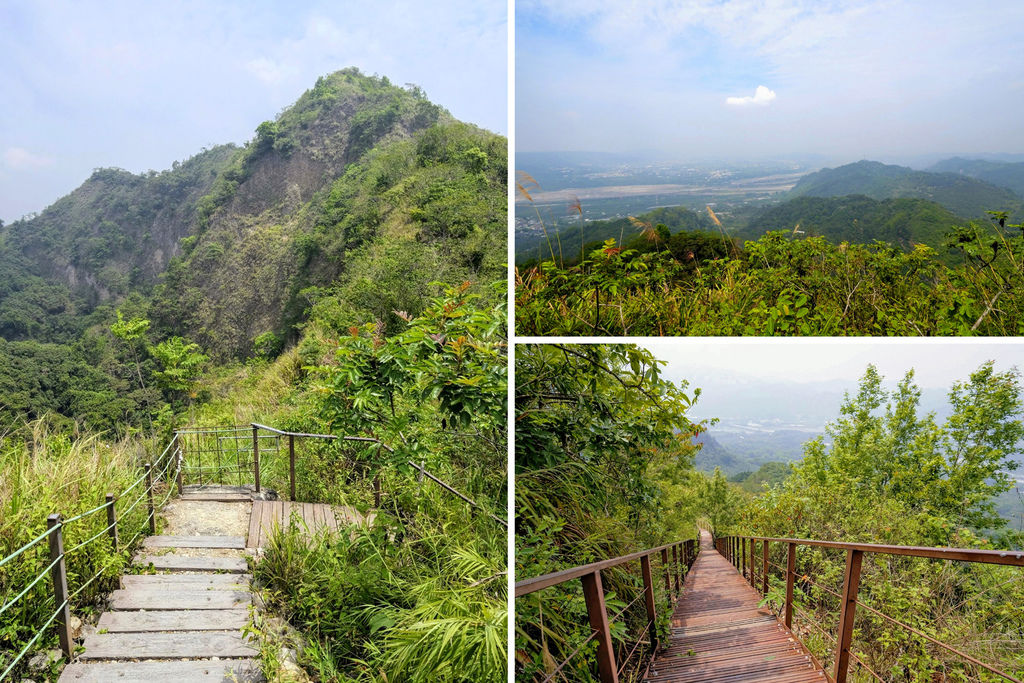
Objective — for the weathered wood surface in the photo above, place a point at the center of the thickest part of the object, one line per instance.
(230, 670)
(229, 542)
(136, 598)
(190, 617)
(186, 581)
(720, 634)
(311, 517)
(174, 620)
(167, 645)
(218, 497)
(232, 565)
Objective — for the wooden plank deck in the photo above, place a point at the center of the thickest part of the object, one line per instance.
(266, 514)
(720, 634)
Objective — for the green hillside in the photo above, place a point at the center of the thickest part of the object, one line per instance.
(861, 219)
(1001, 173)
(354, 200)
(964, 196)
(675, 218)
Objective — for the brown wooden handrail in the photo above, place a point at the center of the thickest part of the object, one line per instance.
(683, 555)
(735, 549)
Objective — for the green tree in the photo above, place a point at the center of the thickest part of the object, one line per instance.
(182, 364)
(719, 502)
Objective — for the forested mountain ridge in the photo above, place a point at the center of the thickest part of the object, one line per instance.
(962, 195)
(1009, 174)
(861, 219)
(351, 201)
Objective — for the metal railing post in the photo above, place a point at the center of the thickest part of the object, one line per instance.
(112, 520)
(256, 456)
(851, 582)
(291, 464)
(665, 570)
(593, 594)
(59, 575)
(645, 572)
(152, 508)
(180, 476)
(790, 579)
(764, 567)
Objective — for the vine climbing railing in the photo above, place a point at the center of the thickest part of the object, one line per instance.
(118, 515)
(756, 567)
(683, 554)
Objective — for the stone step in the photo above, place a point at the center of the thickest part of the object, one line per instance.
(234, 670)
(136, 598)
(181, 563)
(174, 620)
(174, 582)
(186, 644)
(232, 542)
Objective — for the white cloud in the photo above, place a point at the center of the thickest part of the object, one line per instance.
(762, 96)
(267, 70)
(21, 158)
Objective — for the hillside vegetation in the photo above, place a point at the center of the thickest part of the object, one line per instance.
(343, 272)
(361, 194)
(1002, 173)
(604, 455)
(963, 195)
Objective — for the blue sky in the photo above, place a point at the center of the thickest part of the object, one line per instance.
(845, 78)
(139, 85)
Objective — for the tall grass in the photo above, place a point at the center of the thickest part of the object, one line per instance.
(45, 471)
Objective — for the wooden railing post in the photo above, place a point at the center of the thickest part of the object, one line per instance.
(111, 520)
(764, 566)
(593, 594)
(256, 456)
(752, 579)
(645, 572)
(152, 508)
(664, 567)
(851, 583)
(59, 575)
(675, 568)
(743, 557)
(790, 579)
(291, 464)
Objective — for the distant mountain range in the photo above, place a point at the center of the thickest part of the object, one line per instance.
(1002, 173)
(959, 193)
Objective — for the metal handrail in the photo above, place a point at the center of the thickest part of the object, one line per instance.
(57, 569)
(683, 555)
(735, 549)
(361, 439)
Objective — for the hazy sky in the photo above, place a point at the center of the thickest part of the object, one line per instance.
(138, 85)
(779, 377)
(936, 362)
(751, 78)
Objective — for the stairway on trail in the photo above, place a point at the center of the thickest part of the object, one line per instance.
(184, 622)
(720, 634)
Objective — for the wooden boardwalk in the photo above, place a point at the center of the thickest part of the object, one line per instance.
(266, 514)
(720, 634)
(185, 623)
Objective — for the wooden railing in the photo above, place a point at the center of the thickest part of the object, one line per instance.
(756, 567)
(683, 554)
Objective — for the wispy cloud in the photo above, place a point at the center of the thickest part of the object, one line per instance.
(762, 98)
(19, 158)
